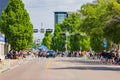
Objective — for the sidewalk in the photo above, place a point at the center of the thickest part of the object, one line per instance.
(11, 63)
(0, 65)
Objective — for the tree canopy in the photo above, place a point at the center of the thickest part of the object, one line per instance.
(100, 21)
(47, 40)
(112, 28)
(16, 25)
(71, 26)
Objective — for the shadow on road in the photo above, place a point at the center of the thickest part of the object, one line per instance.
(88, 68)
(91, 62)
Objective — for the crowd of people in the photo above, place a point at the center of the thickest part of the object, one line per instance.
(83, 53)
(111, 57)
(12, 54)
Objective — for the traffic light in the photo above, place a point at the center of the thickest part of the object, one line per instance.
(49, 30)
(42, 30)
(35, 30)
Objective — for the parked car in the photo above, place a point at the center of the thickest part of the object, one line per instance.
(50, 53)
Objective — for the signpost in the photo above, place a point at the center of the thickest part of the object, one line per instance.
(105, 43)
(35, 30)
(66, 42)
(49, 30)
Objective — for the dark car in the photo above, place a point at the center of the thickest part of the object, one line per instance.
(50, 53)
(42, 54)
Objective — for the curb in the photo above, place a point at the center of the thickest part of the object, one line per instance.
(4, 70)
(12, 67)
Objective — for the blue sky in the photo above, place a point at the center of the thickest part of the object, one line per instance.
(42, 11)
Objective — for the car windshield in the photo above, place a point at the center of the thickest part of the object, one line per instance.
(50, 51)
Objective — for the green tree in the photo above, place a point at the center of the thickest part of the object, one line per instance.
(47, 40)
(94, 22)
(95, 16)
(16, 25)
(70, 25)
(58, 41)
(34, 45)
(112, 28)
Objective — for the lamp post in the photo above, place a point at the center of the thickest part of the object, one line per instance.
(66, 42)
(66, 34)
(83, 34)
(105, 43)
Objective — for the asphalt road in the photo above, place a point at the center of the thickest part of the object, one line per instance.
(61, 69)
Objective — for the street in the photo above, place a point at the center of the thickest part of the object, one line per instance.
(62, 69)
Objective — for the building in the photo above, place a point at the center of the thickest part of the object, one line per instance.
(4, 47)
(59, 17)
(3, 4)
(95, 2)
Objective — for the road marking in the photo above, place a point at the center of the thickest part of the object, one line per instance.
(48, 65)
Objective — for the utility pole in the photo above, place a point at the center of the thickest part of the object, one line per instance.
(66, 42)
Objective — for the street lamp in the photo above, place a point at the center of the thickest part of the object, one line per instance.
(66, 34)
(66, 42)
(42, 30)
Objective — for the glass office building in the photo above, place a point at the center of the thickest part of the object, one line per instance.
(3, 4)
(60, 16)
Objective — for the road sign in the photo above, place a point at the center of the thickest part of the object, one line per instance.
(49, 30)
(35, 30)
(67, 33)
(105, 43)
